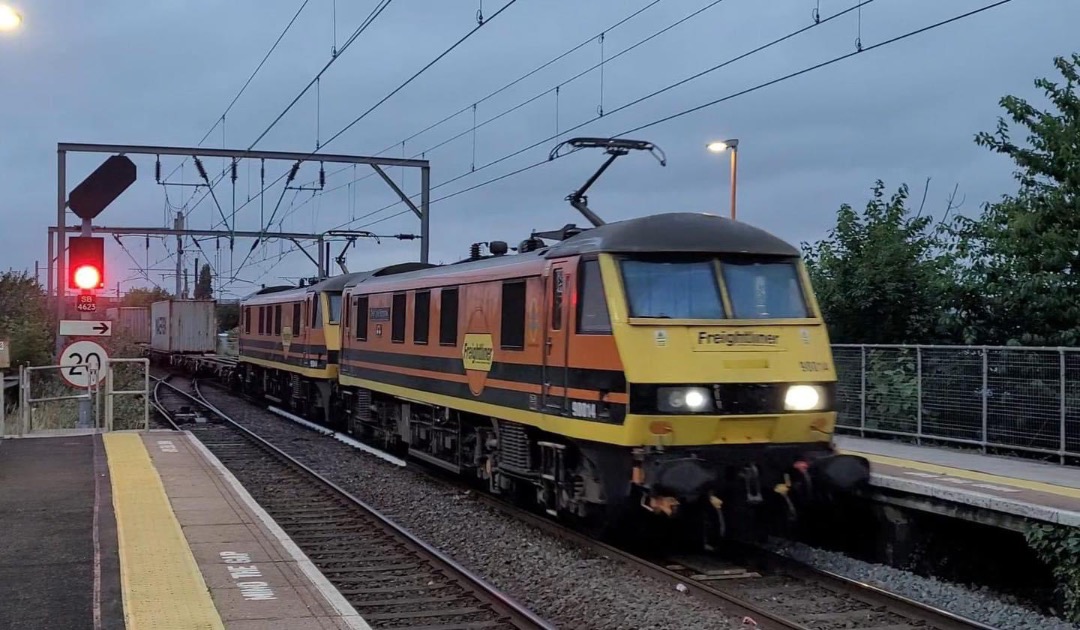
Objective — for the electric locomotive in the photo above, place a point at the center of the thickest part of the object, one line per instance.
(290, 342)
(675, 364)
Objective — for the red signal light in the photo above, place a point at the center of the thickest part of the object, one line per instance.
(86, 260)
(87, 277)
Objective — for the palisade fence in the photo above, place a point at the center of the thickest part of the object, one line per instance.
(996, 398)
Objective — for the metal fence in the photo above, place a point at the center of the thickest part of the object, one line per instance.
(50, 405)
(1017, 398)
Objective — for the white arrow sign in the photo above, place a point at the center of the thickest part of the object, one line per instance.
(85, 328)
(81, 359)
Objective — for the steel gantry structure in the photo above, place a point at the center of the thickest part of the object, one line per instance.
(58, 232)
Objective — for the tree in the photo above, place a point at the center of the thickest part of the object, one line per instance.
(25, 319)
(204, 289)
(228, 316)
(1020, 258)
(145, 297)
(882, 276)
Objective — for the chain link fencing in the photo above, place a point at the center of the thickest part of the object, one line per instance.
(997, 398)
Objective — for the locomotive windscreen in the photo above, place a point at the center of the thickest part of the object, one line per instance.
(684, 289)
(764, 290)
(689, 288)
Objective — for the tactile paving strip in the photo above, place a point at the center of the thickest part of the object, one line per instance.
(162, 584)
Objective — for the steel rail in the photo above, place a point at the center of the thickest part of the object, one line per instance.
(919, 614)
(158, 405)
(521, 615)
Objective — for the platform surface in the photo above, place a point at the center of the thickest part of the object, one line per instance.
(1035, 490)
(58, 554)
(146, 530)
(256, 576)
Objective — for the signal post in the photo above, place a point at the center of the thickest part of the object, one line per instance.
(86, 270)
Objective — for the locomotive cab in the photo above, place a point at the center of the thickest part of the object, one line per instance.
(729, 379)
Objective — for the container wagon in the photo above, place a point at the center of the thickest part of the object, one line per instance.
(183, 326)
(131, 321)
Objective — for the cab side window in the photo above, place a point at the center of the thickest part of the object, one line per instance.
(592, 317)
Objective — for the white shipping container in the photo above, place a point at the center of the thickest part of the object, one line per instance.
(183, 326)
(130, 321)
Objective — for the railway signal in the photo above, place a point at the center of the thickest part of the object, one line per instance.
(102, 187)
(86, 262)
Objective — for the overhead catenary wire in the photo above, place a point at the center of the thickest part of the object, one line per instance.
(368, 21)
(711, 103)
(591, 39)
(379, 8)
(536, 97)
(443, 54)
(642, 99)
(250, 78)
(859, 50)
(587, 122)
(415, 75)
(419, 72)
(515, 81)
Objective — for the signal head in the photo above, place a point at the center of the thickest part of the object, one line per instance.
(86, 260)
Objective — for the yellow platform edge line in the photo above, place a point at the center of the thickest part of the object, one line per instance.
(162, 584)
(1037, 486)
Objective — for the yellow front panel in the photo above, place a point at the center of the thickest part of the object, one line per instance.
(719, 430)
(704, 352)
(661, 352)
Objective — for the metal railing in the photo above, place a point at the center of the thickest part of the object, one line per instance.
(111, 392)
(48, 412)
(48, 405)
(1024, 399)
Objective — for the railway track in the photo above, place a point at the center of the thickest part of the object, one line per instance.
(767, 589)
(391, 578)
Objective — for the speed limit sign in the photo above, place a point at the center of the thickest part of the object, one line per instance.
(80, 360)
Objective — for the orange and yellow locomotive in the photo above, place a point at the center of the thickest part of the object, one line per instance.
(673, 364)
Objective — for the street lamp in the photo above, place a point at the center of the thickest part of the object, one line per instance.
(10, 19)
(720, 147)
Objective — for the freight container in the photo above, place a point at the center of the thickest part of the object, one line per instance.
(183, 326)
(131, 321)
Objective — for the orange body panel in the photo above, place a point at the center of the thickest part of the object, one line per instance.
(549, 364)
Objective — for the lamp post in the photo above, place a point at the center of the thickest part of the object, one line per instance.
(720, 147)
(10, 19)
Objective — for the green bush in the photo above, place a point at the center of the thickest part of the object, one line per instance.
(1059, 548)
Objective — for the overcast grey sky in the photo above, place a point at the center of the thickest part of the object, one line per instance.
(162, 72)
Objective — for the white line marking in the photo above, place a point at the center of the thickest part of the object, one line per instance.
(341, 437)
(97, 533)
(332, 595)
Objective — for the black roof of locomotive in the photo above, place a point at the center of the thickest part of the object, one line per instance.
(681, 232)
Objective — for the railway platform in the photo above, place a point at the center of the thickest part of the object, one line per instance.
(999, 491)
(146, 530)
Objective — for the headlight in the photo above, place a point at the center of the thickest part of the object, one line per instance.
(683, 399)
(803, 398)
